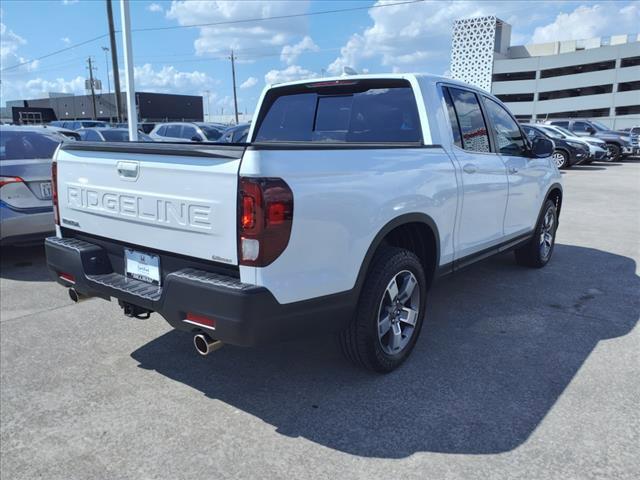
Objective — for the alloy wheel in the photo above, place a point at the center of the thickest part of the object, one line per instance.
(547, 233)
(398, 312)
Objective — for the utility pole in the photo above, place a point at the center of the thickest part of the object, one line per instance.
(114, 62)
(93, 91)
(132, 114)
(233, 74)
(106, 64)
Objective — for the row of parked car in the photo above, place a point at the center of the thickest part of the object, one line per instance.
(26, 152)
(98, 131)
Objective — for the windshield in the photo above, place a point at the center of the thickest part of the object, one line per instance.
(599, 126)
(90, 124)
(564, 130)
(552, 132)
(212, 133)
(27, 145)
(115, 135)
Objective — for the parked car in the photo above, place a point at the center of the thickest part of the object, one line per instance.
(78, 124)
(597, 148)
(566, 153)
(353, 196)
(186, 131)
(235, 134)
(110, 135)
(618, 143)
(26, 211)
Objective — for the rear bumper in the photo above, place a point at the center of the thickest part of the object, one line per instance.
(18, 226)
(244, 314)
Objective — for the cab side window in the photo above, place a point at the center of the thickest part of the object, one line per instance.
(508, 136)
(472, 125)
(453, 119)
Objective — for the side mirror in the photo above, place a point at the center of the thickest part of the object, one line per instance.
(541, 147)
(196, 138)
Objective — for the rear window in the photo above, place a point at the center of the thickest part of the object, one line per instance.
(364, 111)
(115, 135)
(26, 145)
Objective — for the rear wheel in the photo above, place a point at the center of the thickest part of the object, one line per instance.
(389, 317)
(537, 252)
(561, 158)
(614, 152)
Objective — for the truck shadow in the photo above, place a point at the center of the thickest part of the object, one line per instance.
(499, 346)
(24, 263)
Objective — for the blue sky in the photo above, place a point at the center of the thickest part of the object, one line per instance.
(401, 38)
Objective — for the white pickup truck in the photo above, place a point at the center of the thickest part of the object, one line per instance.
(351, 197)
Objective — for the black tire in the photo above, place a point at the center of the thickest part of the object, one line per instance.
(614, 152)
(564, 162)
(533, 254)
(360, 341)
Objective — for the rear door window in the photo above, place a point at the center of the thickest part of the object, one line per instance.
(173, 131)
(472, 125)
(353, 112)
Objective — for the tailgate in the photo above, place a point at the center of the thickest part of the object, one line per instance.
(179, 198)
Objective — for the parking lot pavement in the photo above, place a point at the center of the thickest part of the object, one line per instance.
(518, 374)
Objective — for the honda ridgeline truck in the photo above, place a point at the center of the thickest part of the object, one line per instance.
(352, 195)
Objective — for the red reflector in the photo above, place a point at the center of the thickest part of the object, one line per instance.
(276, 213)
(200, 320)
(67, 276)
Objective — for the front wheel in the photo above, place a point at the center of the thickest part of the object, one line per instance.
(537, 252)
(389, 317)
(614, 152)
(560, 158)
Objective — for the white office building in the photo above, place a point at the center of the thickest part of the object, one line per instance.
(598, 78)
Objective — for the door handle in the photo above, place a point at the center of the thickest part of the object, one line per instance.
(128, 170)
(470, 168)
(513, 170)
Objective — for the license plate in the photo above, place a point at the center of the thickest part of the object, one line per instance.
(142, 266)
(45, 190)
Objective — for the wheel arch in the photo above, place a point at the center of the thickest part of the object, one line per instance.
(554, 193)
(416, 225)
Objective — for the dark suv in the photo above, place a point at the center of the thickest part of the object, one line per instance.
(566, 153)
(618, 142)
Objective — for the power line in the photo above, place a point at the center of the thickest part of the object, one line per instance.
(75, 45)
(227, 22)
(275, 17)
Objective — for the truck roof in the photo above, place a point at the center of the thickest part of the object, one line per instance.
(428, 77)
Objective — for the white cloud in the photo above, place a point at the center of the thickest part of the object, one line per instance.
(292, 72)
(66, 40)
(170, 80)
(250, 36)
(249, 82)
(590, 21)
(290, 53)
(155, 7)
(10, 43)
(411, 37)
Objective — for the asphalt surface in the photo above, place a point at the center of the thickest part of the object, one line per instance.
(518, 374)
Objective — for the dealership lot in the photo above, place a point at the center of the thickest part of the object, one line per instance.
(518, 374)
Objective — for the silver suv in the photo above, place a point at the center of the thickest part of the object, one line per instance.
(187, 132)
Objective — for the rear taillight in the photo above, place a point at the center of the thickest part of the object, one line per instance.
(265, 216)
(54, 192)
(7, 180)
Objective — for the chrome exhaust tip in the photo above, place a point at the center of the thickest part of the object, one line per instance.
(205, 344)
(76, 296)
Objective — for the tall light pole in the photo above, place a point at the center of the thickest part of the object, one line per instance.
(208, 106)
(132, 114)
(114, 62)
(233, 74)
